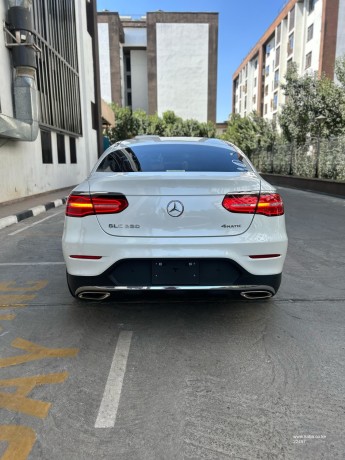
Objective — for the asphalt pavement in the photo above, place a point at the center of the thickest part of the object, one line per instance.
(174, 375)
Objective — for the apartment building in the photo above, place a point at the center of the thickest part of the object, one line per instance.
(159, 62)
(50, 121)
(310, 33)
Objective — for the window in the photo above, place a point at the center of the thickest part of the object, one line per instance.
(129, 82)
(267, 70)
(277, 56)
(60, 139)
(255, 82)
(276, 79)
(292, 19)
(245, 103)
(275, 101)
(55, 28)
(164, 158)
(46, 145)
(278, 34)
(310, 32)
(265, 109)
(94, 115)
(256, 64)
(290, 44)
(266, 90)
(311, 6)
(308, 60)
(128, 62)
(254, 99)
(72, 150)
(289, 63)
(129, 99)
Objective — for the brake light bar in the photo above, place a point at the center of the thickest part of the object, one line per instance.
(86, 257)
(267, 204)
(86, 205)
(265, 256)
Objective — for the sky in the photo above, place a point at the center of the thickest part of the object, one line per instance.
(241, 24)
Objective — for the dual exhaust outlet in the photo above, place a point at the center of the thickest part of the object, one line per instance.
(93, 295)
(102, 295)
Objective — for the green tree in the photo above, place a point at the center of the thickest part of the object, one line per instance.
(155, 126)
(140, 122)
(128, 124)
(340, 70)
(251, 132)
(308, 97)
(124, 127)
(242, 132)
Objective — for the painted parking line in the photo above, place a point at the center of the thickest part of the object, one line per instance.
(35, 223)
(112, 392)
(19, 264)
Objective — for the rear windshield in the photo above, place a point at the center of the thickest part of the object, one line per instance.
(174, 157)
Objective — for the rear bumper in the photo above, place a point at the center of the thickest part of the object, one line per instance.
(136, 275)
(265, 236)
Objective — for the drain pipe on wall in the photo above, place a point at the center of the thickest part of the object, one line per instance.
(19, 40)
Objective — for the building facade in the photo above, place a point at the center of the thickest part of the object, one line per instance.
(163, 61)
(307, 32)
(50, 122)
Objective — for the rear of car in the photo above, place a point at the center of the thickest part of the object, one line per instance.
(167, 213)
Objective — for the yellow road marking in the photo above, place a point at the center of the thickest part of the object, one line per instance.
(7, 317)
(19, 402)
(20, 441)
(35, 352)
(12, 305)
(9, 299)
(10, 286)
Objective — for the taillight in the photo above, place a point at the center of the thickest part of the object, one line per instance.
(241, 203)
(85, 205)
(109, 205)
(79, 206)
(268, 204)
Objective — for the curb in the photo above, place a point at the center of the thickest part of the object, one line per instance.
(10, 220)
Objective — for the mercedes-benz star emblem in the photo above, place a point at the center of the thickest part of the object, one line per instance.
(175, 208)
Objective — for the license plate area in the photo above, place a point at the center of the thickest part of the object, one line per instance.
(175, 272)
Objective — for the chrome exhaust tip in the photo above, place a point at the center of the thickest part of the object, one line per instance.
(253, 295)
(93, 295)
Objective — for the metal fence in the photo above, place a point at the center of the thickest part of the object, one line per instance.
(322, 158)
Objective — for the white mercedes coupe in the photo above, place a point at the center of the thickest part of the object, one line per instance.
(174, 213)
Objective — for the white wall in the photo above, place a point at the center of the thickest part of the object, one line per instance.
(22, 172)
(104, 61)
(182, 69)
(341, 30)
(135, 37)
(139, 80)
